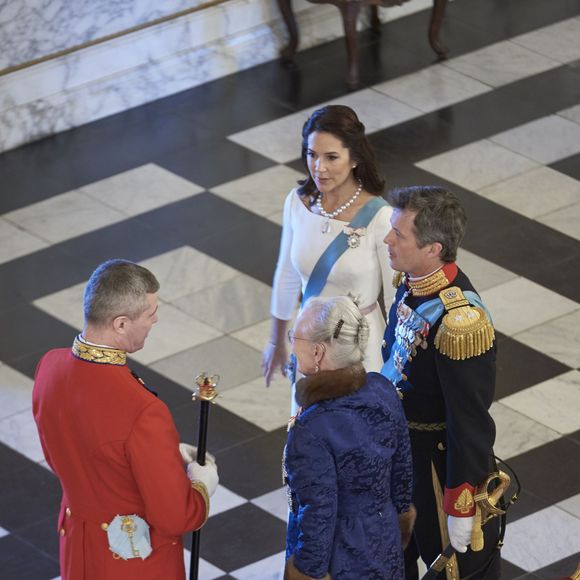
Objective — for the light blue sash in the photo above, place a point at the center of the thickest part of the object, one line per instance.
(406, 331)
(337, 247)
(333, 252)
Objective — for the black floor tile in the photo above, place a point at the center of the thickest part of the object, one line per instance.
(213, 163)
(510, 572)
(48, 333)
(520, 367)
(31, 494)
(513, 17)
(558, 477)
(18, 561)
(562, 569)
(225, 430)
(239, 465)
(526, 504)
(240, 537)
(569, 166)
(42, 534)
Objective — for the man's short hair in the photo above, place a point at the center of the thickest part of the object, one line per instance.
(117, 288)
(439, 216)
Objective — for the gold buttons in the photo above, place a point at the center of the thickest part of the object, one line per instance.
(104, 526)
(67, 512)
(116, 556)
(62, 532)
(174, 543)
(440, 446)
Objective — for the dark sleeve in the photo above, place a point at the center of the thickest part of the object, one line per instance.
(312, 478)
(468, 389)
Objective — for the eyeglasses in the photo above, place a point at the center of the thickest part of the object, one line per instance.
(292, 338)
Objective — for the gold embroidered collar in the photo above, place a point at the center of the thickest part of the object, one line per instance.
(98, 354)
(435, 282)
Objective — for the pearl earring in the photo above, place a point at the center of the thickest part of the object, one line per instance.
(316, 368)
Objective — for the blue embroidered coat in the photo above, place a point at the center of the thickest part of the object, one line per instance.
(348, 468)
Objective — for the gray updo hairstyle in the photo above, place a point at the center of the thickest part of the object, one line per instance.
(338, 323)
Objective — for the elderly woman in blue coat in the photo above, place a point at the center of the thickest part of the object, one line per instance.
(347, 459)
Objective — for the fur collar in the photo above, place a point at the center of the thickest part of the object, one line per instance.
(330, 385)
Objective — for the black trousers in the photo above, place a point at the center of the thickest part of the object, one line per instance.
(428, 448)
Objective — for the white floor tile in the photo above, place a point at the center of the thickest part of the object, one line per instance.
(64, 216)
(558, 338)
(526, 543)
(572, 113)
(558, 41)
(433, 88)
(571, 505)
(223, 499)
(266, 407)
(3, 532)
(565, 220)
(536, 192)
(65, 305)
(476, 165)
(275, 503)
(185, 270)
(501, 63)
(229, 306)
(18, 431)
(256, 336)
(15, 242)
(175, 331)
(235, 362)
(206, 571)
(376, 110)
(280, 140)
(267, 569)
(544, 140)
(517, 433)
(521, 304)
(554, 403)
(141, 189)
(15, 391)
(263, 192)
(482, 273)
(277, 218)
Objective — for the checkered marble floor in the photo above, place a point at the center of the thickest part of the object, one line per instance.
(192, 187)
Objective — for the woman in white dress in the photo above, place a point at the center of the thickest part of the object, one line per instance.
(342, 179)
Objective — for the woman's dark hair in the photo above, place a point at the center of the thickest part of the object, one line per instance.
(342, 122)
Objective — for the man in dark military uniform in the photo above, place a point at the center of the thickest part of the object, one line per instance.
(439, 351)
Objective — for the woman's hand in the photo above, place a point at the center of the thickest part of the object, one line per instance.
(274, 358)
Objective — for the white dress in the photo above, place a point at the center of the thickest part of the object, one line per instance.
(360, 271)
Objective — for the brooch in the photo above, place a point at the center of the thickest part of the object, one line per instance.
(354, 236)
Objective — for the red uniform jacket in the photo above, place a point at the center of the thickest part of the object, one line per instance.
(114, 447)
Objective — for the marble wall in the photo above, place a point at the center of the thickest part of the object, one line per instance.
(124, 72)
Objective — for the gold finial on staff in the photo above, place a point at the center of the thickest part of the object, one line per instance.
(206, 387)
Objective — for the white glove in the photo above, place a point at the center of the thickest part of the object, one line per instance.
(206, 474)
(460, 532)
(189, 453)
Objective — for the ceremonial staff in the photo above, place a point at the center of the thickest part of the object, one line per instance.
(206, 393)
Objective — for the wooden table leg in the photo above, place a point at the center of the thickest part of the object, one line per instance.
(288, 52)
(349, 12)
(437, 14)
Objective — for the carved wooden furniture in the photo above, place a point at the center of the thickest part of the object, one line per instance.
(349, 10)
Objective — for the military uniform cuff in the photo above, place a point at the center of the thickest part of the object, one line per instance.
(458, 501)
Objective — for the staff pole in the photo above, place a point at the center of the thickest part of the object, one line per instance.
(206, 393)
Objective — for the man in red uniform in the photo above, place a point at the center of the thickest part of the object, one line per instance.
(127, 498)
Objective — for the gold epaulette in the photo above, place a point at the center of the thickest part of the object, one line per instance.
(465, 330)
(398, 278)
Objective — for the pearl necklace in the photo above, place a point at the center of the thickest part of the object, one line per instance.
(337, 211)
